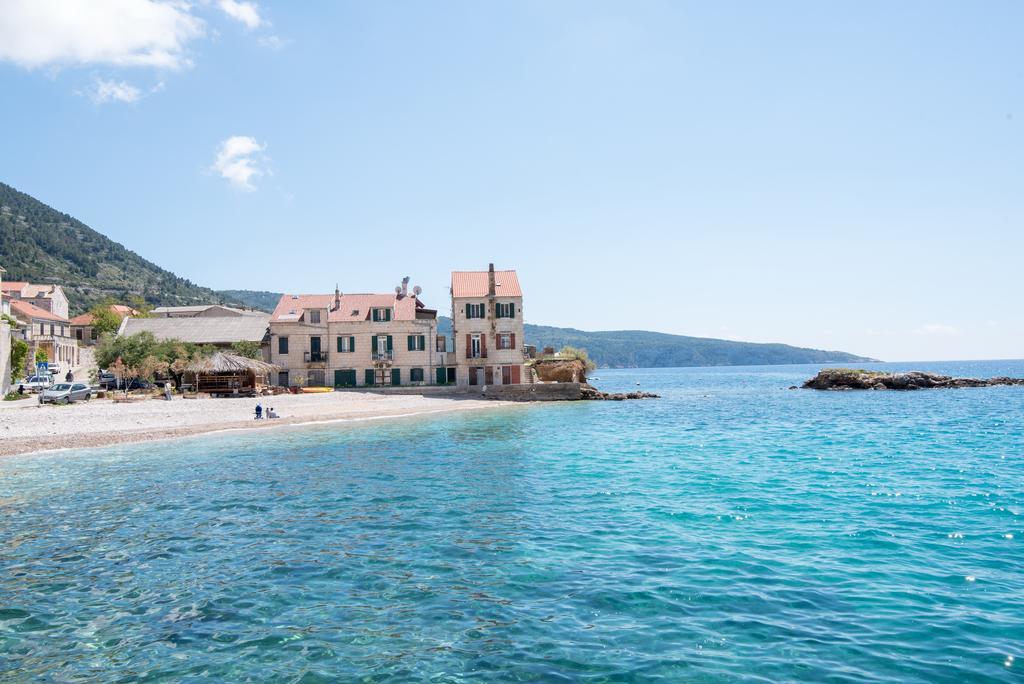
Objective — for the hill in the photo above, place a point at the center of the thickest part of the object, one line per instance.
(42, 245)
(645, 349)
(254, 299)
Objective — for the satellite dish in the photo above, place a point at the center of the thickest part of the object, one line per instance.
(398, 289)
(417, 290)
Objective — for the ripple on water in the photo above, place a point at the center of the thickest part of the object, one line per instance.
(731, 530)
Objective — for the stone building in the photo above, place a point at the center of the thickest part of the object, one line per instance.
(487, 327)
(356, 340)
(46, 331)
(46, 297)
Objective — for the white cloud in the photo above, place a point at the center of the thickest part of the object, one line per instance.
(272, 42)
(937, 329)
(54, 33)
(113, 91)
(240, 159)
(246, 12)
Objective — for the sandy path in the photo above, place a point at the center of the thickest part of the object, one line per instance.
(26, 427)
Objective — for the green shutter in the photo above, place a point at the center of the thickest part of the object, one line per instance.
(373, 344)
(337, 374)
(352, 347)
(442, 376)
(511, 310)
(467, 311)
(368, 376)
(423, 342)
(388, 315)
(410, 343)
(390, 347)
(339, 349)
(396, 376)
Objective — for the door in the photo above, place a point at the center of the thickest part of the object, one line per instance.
(314, 345)
(489, 375)
(368, 377)
(506, 375)
(442, 376)
(451, 375)
(475, 347)
(396, 377)
(344, 378)
(383, 345)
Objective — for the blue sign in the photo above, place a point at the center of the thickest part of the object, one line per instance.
(42, 367)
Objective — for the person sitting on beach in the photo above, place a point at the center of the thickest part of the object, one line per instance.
(259, 411)
(271, 413)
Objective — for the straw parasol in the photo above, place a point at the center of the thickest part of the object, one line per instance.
(222, 362)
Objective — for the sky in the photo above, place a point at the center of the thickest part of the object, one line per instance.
(841, 175)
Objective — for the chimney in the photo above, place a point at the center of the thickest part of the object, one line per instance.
(405, 286)
(490, 280)
(337, 297)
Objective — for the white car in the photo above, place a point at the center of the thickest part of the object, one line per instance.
(53, 367)
(37, 383)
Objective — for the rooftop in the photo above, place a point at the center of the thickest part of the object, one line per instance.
(475, 284)
(200, 330)
(354, 307)
(29, 311)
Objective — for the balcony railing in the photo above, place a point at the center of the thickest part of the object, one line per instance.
(315, 357)
(384, 356)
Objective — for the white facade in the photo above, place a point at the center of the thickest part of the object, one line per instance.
(487, 323)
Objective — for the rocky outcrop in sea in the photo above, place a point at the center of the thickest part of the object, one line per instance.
(861, 379)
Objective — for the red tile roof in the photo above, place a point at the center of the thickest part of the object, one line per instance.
(474, 284)
(32, 311)
(12, 286)
(120, 309)
(354, 307)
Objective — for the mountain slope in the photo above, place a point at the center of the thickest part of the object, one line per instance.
(42, 245)
(254, 299)
(645, 349)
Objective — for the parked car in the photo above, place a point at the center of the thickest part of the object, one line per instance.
(107, 380)
(37, 383)
(66, 393)
(53, 367)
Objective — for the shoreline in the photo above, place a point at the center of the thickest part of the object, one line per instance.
(98, 430)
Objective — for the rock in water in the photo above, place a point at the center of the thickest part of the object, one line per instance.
(861, 379)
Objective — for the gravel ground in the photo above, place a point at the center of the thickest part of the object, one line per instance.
(25, 426)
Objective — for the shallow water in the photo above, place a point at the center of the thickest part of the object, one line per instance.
(731, 530)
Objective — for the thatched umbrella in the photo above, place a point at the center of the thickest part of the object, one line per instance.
(226, 373)
(222, 362)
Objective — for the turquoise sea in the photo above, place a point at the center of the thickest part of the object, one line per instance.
(733, 530)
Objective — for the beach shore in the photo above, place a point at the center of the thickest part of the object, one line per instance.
(27, 427)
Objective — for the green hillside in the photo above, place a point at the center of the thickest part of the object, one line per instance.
(645, 349)
(254, 299)
(42, 245)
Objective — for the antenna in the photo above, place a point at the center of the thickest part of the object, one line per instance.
(417, 290)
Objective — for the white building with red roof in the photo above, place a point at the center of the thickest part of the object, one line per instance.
(350, 340)
(45, 331)
(47, 297)
(487, 327)
(5, 341)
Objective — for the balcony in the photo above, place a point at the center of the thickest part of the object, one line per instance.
(381, 359)
(315, 357)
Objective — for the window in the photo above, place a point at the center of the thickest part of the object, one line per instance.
(282, 379)
(505, 310)
(78, 334)
(282, 345)
(474, 347)
(475, 310)
(416, 375)
(316, 379)
(314, 316)
(94, 334)
(346, 343)
(441, 343)
(506, 340)
(382, 315)
(417, 342)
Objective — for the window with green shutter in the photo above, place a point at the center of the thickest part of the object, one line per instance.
(368, 376)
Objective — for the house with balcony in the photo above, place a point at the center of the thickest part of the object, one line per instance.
(358, 340)
(487, 327)
(46, 297)
(46, 331)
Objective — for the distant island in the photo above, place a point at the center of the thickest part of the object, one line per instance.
(41, 244)
(862, 379)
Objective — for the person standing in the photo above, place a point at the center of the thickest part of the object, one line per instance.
(70, 377)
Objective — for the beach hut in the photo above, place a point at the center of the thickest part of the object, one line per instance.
(229, 374)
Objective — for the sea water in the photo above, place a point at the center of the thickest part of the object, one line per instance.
(733, 529)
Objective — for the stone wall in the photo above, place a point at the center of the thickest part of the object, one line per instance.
(5, 357)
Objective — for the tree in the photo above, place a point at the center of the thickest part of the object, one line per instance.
(41, 356)
(19, 350)
(248, 349)
(104, 320)
(141, 305)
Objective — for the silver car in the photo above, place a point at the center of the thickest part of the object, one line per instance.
(65, 393)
